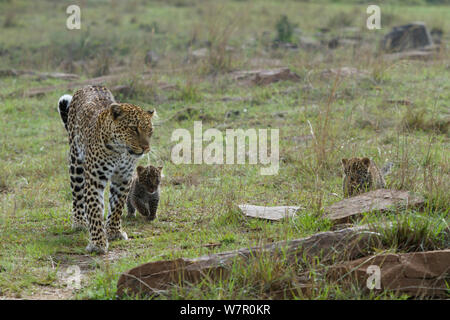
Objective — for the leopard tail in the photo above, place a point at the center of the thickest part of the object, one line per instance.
(63, 108)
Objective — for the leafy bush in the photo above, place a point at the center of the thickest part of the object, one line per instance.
(285, 29)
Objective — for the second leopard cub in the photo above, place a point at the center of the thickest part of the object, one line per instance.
(361, 175)
(144, 192)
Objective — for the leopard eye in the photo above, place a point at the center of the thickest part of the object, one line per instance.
(135, 129)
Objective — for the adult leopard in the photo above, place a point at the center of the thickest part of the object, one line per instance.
(106, 140)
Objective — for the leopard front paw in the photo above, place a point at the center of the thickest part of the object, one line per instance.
(97, 248)
(117, 235)
(79, 225)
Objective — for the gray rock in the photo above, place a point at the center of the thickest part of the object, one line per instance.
(342, 42)
(410, 36)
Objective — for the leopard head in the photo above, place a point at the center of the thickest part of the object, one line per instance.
(357, 174)
(149, 177)
(131, 128)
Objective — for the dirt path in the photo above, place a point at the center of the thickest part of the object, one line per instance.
(73, 274)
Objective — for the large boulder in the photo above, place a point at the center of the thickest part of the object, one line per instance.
(407, 37)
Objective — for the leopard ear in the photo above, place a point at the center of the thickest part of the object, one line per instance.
(344, 162)
(151, 112)
(116, 110)
(160, 169)
(366, 162)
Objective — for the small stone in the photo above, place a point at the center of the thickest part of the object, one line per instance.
(199, 54)
(151, 58)
(232, 113)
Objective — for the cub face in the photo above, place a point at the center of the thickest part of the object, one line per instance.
(132, 127)
(149, 177)
(357, 175)
(356, 167)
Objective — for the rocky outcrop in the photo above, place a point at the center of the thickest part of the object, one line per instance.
(155, 277)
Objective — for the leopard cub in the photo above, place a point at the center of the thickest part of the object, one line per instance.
(361, 175)
(144, 192)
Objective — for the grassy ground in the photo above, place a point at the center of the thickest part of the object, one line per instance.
(349, 116)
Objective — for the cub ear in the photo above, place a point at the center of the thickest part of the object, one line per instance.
(140, 169)
(162, 173)
(151, 112)
(116, 110)
(366, 161)
(344, 162)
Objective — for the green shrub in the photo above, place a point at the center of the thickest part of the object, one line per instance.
(285, 30)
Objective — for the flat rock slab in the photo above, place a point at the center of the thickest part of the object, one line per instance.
(266, 76)
(377, 200)
(269, 213)
(270, 76)
(418, 274)
(344, 72)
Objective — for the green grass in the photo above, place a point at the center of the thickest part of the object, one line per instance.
(199, 202)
